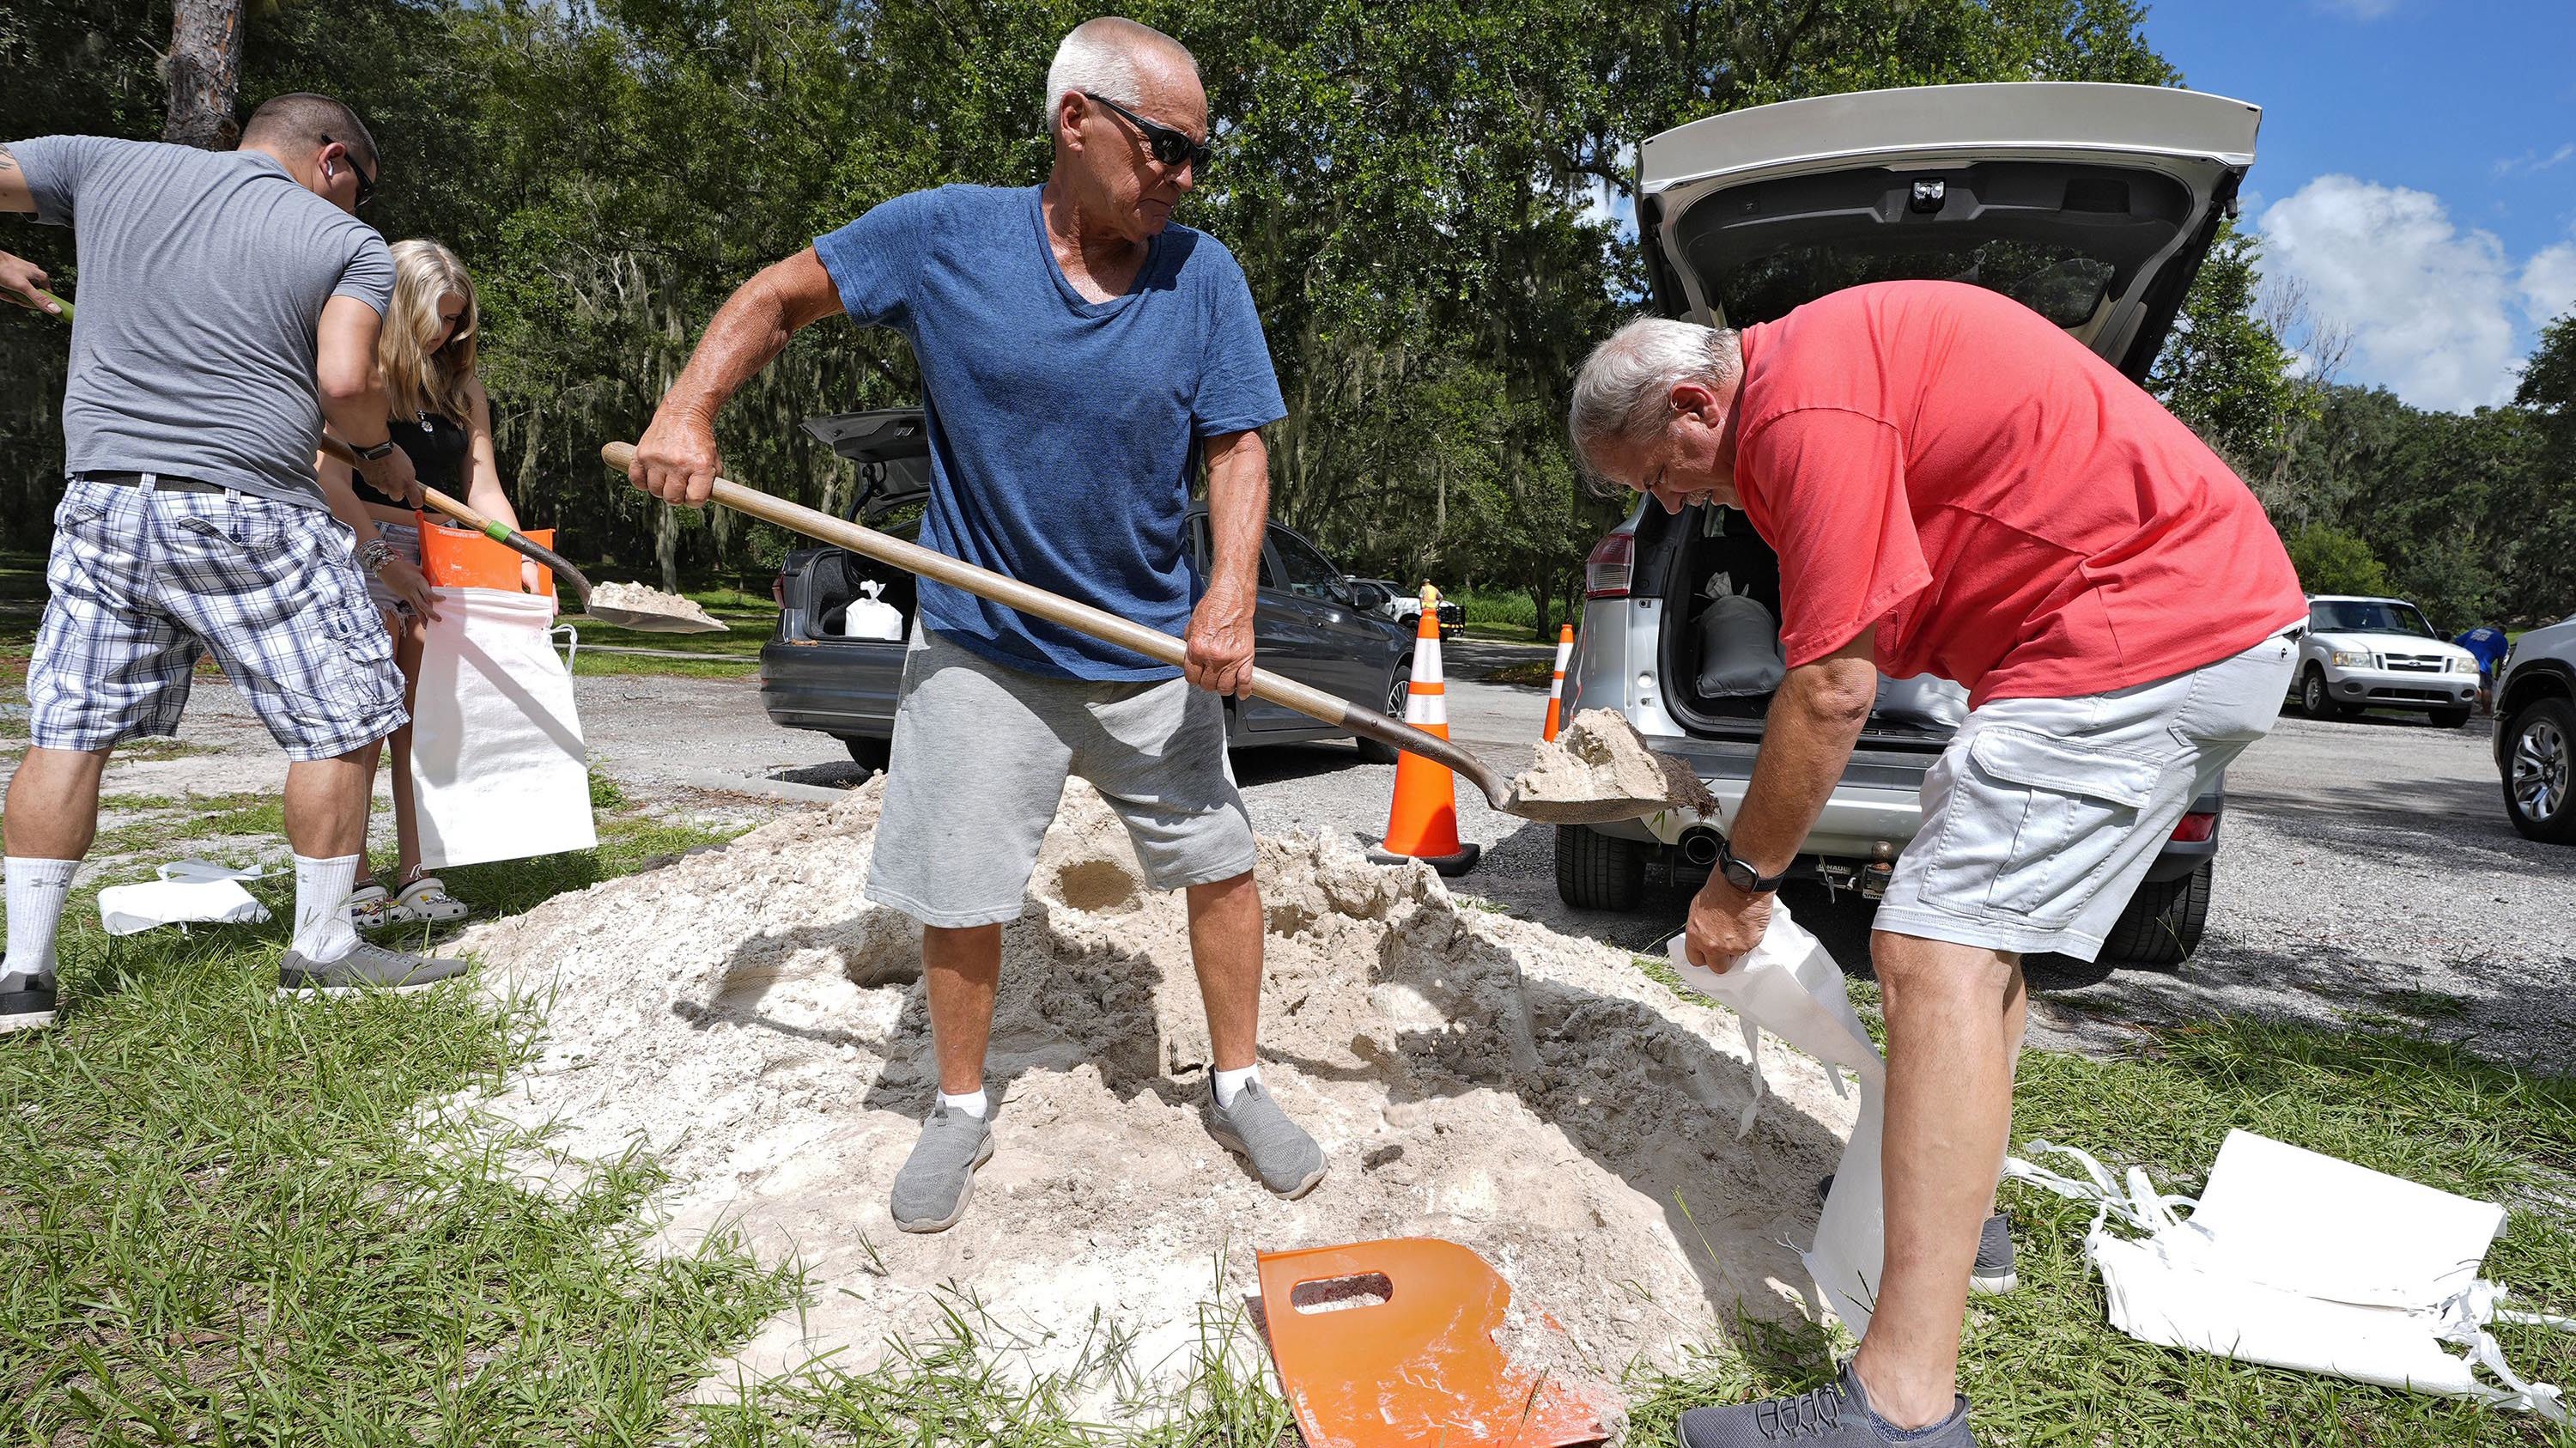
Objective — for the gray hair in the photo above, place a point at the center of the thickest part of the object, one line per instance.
(1100, 55)
(1622, 394)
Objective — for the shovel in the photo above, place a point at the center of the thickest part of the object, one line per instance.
(1162, 648)
(633, 620)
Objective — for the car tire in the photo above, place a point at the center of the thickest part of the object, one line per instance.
(2314, 701)
(2163, 923)
(868, 753)
(2539, 769)
(1595, 871)
(2448, 718)
(1371, 751)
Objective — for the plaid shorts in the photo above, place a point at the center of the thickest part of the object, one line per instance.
(145, 581)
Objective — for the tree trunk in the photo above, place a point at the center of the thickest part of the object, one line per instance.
(666, 546)
(204, 72)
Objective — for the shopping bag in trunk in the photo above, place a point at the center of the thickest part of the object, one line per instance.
(498, 768)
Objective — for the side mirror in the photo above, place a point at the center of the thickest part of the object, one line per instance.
(1366, 597)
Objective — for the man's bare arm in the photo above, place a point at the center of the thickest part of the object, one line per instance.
(1807, 741)
(676, 458)
(344, 373)
(22, 282)
(14, 195)
(1220, 639)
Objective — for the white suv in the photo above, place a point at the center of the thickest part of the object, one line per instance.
(2535, 737)
(2091, 204)
(2379, 653)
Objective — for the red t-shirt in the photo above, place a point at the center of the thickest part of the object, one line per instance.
(1941, 463)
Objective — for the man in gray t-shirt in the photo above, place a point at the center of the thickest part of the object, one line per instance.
(228, 302)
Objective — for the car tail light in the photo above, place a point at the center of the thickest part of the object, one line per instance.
(1613, 560)
(778, 590)
(2196, 828)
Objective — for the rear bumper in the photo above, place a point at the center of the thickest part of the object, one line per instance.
(845, 689)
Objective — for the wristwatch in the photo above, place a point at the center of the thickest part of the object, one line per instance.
(1743, 876)
(375, 553)
(380, 450)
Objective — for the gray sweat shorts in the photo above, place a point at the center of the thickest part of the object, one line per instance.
(2043, 815)
(981, 753)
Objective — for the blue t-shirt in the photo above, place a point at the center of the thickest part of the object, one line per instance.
(1064, 433)
(2488, 645)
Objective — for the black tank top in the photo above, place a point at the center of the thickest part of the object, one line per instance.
(436, 448)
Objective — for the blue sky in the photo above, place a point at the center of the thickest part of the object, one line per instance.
(2416, 173)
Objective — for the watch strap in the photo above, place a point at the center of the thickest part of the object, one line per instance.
(1743, 876)
(383, 449)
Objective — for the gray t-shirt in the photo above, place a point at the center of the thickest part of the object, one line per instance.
(202, 280)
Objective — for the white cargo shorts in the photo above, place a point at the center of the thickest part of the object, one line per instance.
(980, 757)
(2043, 815)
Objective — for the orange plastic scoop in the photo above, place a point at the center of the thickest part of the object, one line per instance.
(1391, 1344)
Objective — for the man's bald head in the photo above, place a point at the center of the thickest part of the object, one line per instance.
(1111, 56)
(301, 121)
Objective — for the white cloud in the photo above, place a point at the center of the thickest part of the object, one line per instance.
(2549, 282)
(2435, 311)
(2358, 9)
(2532, 162)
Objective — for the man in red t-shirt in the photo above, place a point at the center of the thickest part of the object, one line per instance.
(1956, 487)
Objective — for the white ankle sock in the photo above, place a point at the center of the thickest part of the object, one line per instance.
(975, 1105)
(36, 891)
(1230, 1084)
(322, 930)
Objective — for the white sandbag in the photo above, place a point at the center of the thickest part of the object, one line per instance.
(2294, 1259)
(189, 892)
(1789, 985)
(870, 617)
(498, 767)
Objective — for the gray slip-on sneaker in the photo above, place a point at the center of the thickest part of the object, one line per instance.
(1285, 1158)
(1994, 1274)
(26, 1002)
(1834, 1416)
(938, 1179)
(369, 967)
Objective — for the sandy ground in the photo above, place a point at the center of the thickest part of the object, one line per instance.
(1478, 1078)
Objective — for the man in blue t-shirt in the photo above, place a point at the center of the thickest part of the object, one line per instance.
(1081, 358)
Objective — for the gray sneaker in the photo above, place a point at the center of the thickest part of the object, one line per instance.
(1834, 1416)
(1285, 1158)
(26, 1002)
(369, 967)
(1994, 1275)
(938, 1179)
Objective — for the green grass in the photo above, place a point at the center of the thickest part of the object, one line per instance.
(225, 1219)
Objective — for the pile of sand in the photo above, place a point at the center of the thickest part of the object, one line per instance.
(639, 607)
(756, 1022)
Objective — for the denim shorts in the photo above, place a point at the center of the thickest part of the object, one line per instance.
(980, 757)
(404, 541)
(147, 580)
(2043, 815)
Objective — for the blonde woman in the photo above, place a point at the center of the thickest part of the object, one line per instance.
(441, 418)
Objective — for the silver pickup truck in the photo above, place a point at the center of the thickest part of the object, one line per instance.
(2092, 204)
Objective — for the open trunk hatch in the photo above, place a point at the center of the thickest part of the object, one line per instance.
(2093, 204)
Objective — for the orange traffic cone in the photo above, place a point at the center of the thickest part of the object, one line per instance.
(1423, 825)
(1556, 682)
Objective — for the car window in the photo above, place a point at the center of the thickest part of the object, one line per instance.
(1308, 573)
(2371, 616)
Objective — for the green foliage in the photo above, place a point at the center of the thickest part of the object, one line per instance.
(2331, 560)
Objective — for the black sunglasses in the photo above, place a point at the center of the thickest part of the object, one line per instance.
(1169, 146)
(366, 183)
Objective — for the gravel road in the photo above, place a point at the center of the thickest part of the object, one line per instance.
(2366, 870)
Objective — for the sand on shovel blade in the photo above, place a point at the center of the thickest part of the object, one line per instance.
(1599, 769)
(649, 610)
(748, 1015)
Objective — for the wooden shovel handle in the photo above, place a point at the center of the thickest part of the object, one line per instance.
(1037, 602)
